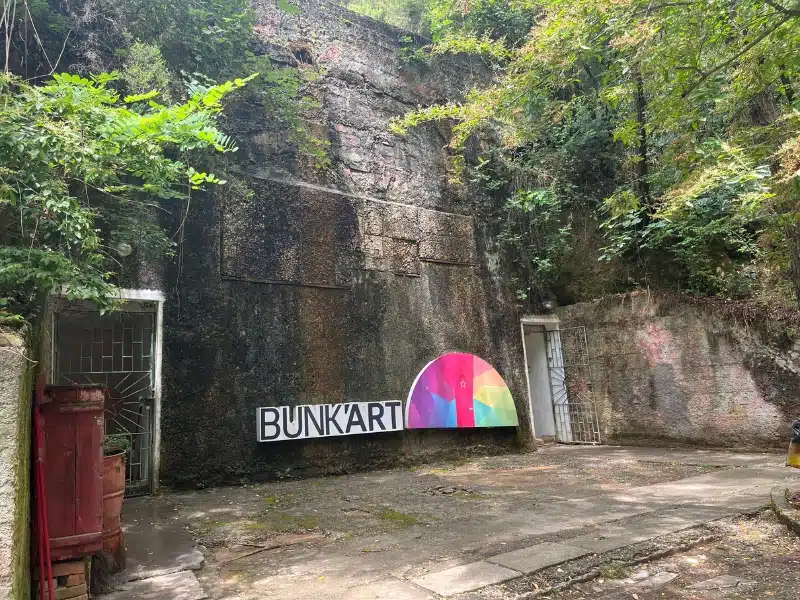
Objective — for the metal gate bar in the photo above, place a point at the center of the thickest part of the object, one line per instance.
(115, 350)
(571, 386)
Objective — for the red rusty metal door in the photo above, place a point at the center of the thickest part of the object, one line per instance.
(73, 468)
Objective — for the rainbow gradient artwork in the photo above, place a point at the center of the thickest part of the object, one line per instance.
(459, 390)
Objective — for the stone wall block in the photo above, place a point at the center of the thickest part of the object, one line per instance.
(402, 222)
(447, 237)
(403, 256)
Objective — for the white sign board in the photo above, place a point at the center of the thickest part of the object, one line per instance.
(275, 423)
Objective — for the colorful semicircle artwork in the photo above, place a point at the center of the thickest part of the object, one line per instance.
(459, 390)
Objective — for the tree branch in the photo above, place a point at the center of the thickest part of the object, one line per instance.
(736, 56)
(58, 60)
(792, 12)
(653, 7)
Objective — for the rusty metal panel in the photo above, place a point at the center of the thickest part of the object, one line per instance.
(73, 468)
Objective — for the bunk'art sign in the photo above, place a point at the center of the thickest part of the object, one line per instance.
(277, 423)
(456, 390)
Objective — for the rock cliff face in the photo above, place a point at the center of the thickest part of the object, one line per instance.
(330, 286)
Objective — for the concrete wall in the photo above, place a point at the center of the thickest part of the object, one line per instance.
(330, 286)
(665, 370)
(15, 430)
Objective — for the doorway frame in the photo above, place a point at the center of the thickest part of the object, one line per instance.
(548, 322)
(131, 295)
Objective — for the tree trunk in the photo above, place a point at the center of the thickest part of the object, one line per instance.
(764, 108)
(793, 244)
(640, 169)
(788, 91)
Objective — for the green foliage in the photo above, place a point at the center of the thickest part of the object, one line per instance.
(164, 46)
(145, 71)
(208, 36)
(88, 161)
(472, 44)
(536, 235)
(116, 444)
(406, 14)
(80, 172)
(510, 20)
(673, 123)
(705, 225)
(281, 93)
(288, 7)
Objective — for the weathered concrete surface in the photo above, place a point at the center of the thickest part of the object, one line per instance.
(175, 586)
(388, 589)
(649, 526)
(538, 556)
(721, 582)
(713, 458)
(297, 286)
(156, 540)
(465, 578)
(785, 503)
(331, 537)
(667, 370)
(15, 430)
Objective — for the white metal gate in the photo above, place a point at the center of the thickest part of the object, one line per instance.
(571, 386)
(116, 350)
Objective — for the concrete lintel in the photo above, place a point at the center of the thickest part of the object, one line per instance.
(552, 320)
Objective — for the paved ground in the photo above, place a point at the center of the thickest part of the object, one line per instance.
(446, 529)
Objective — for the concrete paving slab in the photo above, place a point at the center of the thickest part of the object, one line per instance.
(718, 488)
(721, 582)
(156, 540)
(175, 586)
(701, 513)
(611, 537)
(657, 581)
(688, 456)
(387, 589)
(535, 558)
(466, 578)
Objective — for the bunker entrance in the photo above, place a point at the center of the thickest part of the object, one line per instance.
(560, 382)
(116, 350)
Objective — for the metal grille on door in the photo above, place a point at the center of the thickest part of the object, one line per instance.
(571, 386)
(115, 350)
